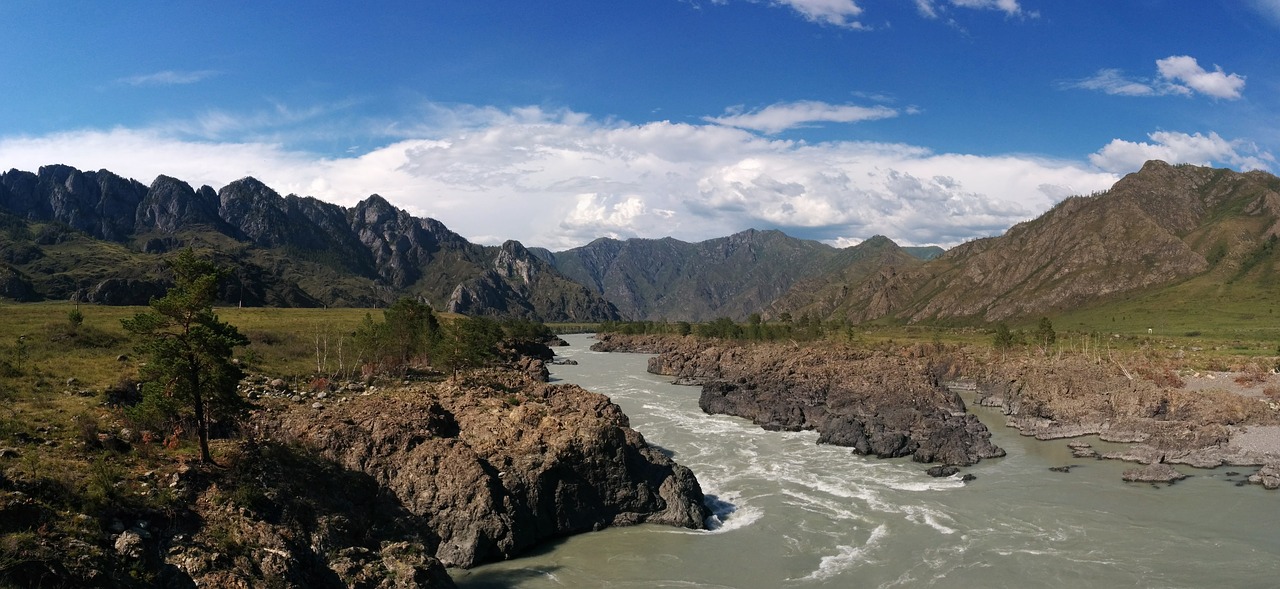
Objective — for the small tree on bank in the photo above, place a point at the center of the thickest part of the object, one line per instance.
(1003, 339)
(465, 343)
(188, 349)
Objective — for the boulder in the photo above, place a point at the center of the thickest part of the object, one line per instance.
(1268, 476)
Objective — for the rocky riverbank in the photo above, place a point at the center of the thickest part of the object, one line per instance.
(894, 402)
(371, 487)
(877, 403)
(1052, 398)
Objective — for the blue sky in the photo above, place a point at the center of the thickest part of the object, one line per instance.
(929, 121)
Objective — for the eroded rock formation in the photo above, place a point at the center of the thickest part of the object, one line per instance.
(872, 401)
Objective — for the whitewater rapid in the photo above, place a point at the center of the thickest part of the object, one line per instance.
(791, 513)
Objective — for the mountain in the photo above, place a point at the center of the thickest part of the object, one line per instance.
(97, 237)
(1159, 228)
(730, 276)
(671, 279)
(855, 277)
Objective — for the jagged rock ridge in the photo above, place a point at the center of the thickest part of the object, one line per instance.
(284, 250)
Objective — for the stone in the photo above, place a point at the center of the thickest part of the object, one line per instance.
(1153, 473)
(129, 544)
(1268, 476)
(942, 471)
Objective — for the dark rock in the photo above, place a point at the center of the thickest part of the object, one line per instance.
(968, 477)
(942, 471)
(1066, 468)
(16, 286)
(490, 477)
(877, 404)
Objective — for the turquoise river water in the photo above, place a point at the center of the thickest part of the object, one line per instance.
(791, 513)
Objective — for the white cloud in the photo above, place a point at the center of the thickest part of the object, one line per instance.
(167, 78)
(1126, 156)
(840, 13)
(1178, 74)
(934, 8)
(558, 178)
(1113, 81)
(1184, 69)
(789, 115)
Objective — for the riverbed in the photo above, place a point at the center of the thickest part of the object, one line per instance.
(792, 513)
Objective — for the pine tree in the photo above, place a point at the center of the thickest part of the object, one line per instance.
(188, 349)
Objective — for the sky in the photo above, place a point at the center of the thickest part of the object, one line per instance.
(932, 122)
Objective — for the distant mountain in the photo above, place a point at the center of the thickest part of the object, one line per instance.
(1182, 230)
(97, 237)
(670, 279)
(927, 252)
(856, 276)
(1155, 229)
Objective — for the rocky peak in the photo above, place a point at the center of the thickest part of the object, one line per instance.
(515, 262)
(256, 210)
(171, 204)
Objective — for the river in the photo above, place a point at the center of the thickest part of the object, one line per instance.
(791, 513)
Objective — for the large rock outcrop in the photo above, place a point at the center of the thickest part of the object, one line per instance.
(490, 472)
(874, 402)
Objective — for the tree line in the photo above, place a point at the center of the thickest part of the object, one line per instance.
(805, 328)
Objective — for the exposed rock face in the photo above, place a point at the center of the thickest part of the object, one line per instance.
(491, 473)
(878, 404)
(1074, 396)
(282, 517)
(284, 251)
(171, 204)
(520, 284)
(99, 203)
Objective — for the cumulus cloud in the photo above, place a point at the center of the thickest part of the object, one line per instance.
(167, 78)
(558, 178)
(1176, 148)
(1184, 72)
(789, 115)
(1177, 74)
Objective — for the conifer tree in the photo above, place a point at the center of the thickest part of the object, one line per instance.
(188, 349)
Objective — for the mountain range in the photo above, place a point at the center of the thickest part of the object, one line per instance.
(98, 237)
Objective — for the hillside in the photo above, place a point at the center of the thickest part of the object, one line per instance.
(1165, 228)
(730, 276)
(97, 237)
